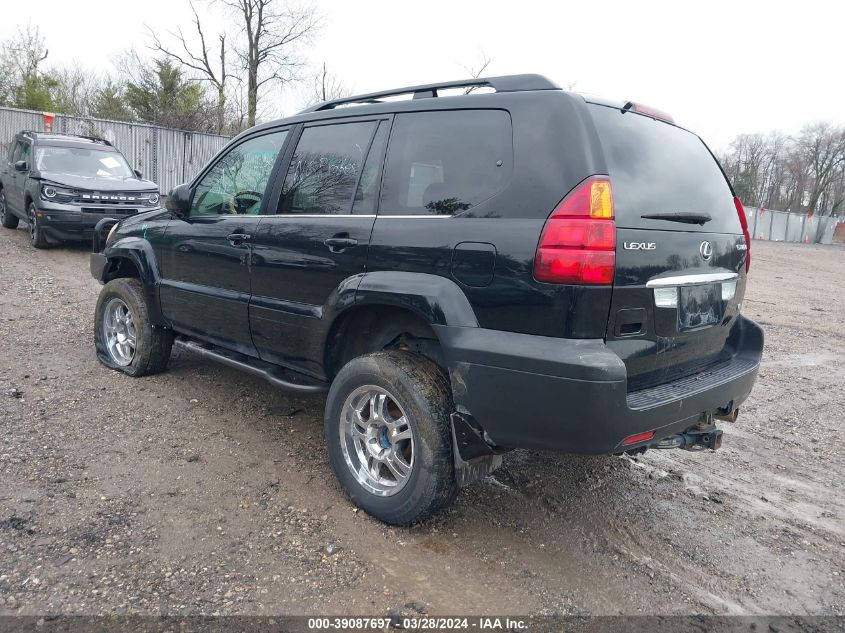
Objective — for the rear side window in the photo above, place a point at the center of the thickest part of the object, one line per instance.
(366, 195)
(324, 170)
(656, 167)
(442, 163)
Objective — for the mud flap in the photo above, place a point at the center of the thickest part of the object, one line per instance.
(474, 458)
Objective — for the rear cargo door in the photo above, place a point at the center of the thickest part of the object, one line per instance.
(680, 255)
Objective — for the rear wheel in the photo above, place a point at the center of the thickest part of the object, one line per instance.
(36, 233)
(389, 437)
(124, 337)
(7, 218)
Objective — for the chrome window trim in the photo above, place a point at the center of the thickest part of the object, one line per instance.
(350, 215)
(417, 215)
(691, 280)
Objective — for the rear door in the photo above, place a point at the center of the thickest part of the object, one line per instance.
(680, 254)
(317, 238)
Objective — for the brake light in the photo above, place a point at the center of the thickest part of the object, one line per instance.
(654, 113)
(744, 222)
(578, 244)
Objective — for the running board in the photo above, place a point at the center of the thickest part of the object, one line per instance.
(270, 373)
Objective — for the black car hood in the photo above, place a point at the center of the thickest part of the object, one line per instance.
(91, 183)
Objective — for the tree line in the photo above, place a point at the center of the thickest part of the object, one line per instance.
(192, 78)
(801, 173)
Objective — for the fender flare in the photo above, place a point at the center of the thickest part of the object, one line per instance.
(140, 252)
(438, 300)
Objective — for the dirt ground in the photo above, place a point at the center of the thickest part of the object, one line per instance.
(206, 491)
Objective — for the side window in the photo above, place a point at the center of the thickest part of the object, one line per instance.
(15, 153)
(26, 154)
(236, 182)
(445, 162)
(324, 168)
(366, 195)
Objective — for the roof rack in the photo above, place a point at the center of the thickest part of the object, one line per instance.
(506, 83)
(96, 139)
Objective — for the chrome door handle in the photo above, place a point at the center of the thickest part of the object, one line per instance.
(238, 238)
(338, 244)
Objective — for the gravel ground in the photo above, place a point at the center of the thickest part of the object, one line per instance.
(205, 491)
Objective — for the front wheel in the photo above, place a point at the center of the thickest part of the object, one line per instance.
(8, 219)
(36, 233)
(124, 337)
(388, 434)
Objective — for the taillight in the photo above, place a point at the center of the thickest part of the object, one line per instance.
(639, 437)
(578, 244)
(744, 222)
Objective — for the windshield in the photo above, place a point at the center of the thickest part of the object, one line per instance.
(94, 163)
(658, 168)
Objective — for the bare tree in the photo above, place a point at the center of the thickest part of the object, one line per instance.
(805, 173)
(22, 82)
(822, 146)
(76, 90)
(476, 71)
(273, 34)
(199, 60)
(327, 87)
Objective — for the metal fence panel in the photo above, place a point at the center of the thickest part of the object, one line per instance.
(166, 156)
(827, 226)
(778, 229)
(763, 226)
(811, 228)
(13, 121)
(794, 226)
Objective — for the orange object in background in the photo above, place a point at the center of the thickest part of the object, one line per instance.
(49, 117)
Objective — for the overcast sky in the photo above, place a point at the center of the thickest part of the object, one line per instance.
(720, 68)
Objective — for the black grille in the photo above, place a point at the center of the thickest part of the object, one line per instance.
(111, 198)
(110, 210)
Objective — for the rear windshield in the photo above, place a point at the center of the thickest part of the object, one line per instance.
(658, 168)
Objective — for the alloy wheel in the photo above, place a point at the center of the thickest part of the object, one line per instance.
(119, 332)
(376, 440)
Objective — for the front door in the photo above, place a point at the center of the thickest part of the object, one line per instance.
(206, 261)
(317, 239)
(17, 179)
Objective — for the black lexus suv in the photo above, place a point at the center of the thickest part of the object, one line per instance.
(464, 272)
(62, 185)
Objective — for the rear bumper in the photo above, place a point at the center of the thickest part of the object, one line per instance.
(571, 395)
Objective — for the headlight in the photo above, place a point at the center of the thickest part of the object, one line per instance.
(52, 192)
(154, 198)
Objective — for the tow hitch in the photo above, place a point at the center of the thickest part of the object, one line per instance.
(692, 440)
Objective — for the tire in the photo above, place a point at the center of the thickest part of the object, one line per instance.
(415, 388)
(8, 219)
(36, 235)
(151, 349)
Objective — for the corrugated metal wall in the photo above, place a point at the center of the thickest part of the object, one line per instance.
(166, 156)
(780, 226)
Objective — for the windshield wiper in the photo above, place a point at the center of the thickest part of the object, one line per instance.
(686, 218)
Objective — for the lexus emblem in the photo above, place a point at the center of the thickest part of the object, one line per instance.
(706, 250)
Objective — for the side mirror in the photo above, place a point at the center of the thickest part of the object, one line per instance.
(21, 165)
(138, 174)
(179, 201)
